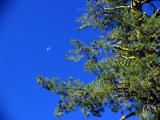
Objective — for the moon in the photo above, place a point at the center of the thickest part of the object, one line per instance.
(48, 49)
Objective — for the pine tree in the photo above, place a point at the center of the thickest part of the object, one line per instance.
(129, 79)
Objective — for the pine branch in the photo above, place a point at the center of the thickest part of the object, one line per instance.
(146, 1)
(128, 116)
(118, 7)
(123, 49)
(157, 13)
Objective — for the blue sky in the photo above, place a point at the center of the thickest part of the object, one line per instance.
(27, 29)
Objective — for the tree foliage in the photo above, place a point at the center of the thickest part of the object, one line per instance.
(128, 80)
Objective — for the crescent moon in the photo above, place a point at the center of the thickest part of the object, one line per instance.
(48, 48)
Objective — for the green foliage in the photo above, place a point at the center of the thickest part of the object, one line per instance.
(126, 81)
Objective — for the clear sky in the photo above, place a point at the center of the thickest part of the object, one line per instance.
(34, 38)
